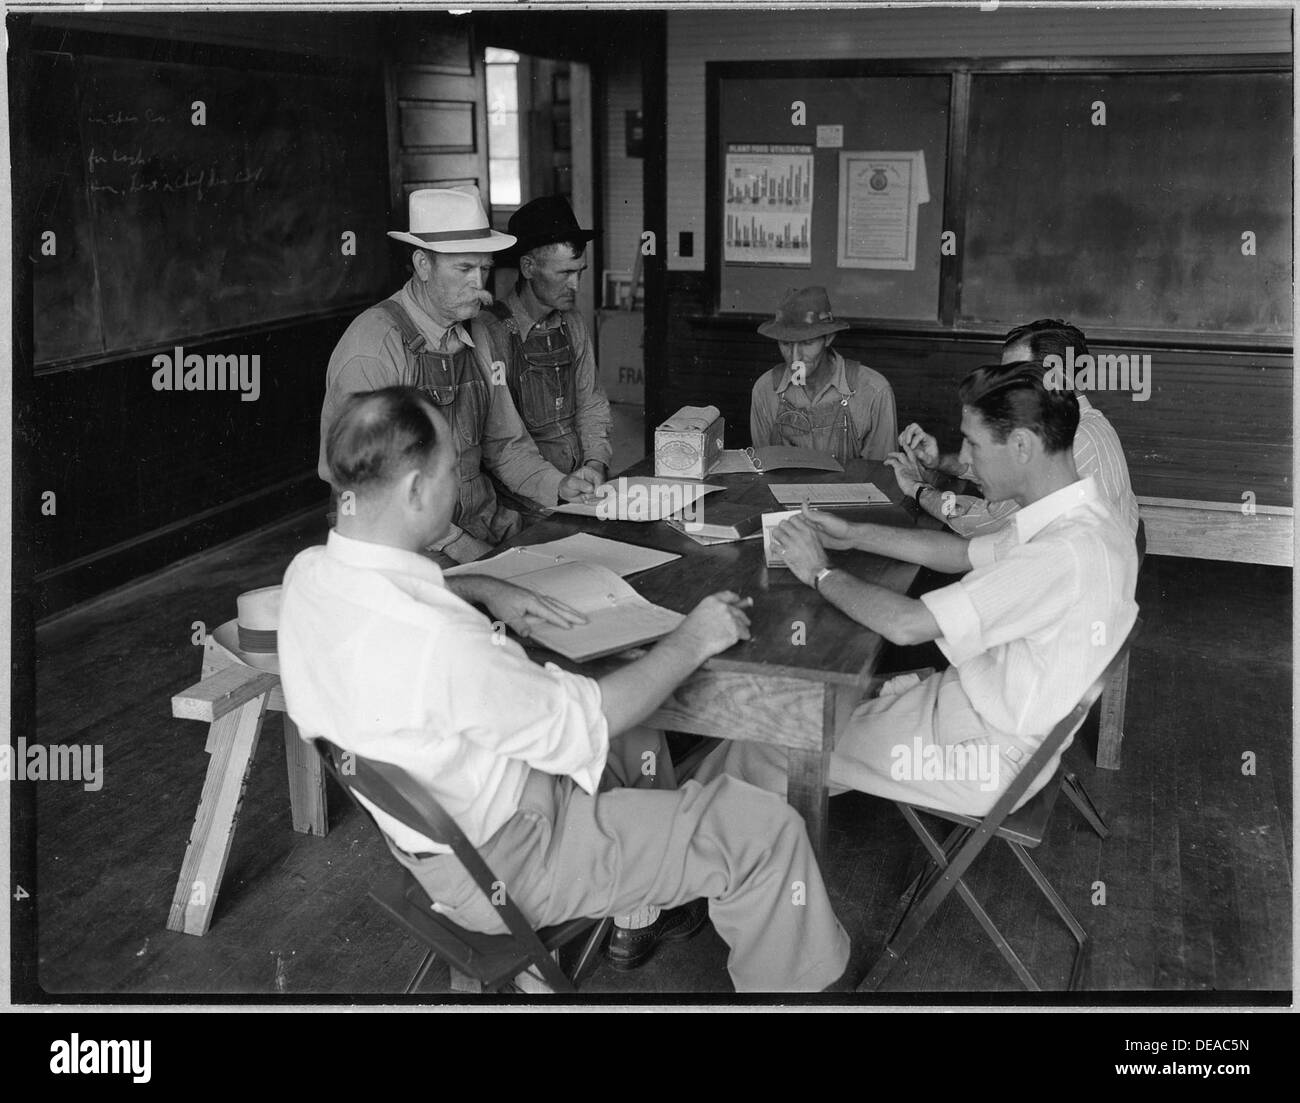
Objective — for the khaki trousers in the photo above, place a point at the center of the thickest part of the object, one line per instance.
(566, 854)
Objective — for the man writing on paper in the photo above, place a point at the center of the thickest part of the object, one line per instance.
(551, 363)
(1097, 451)
(381, 657)
(418, 336)
(819, 399)
(1044, 606)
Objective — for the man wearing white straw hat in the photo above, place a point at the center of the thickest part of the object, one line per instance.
(425, 335)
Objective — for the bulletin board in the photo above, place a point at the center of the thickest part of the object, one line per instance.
(759, 137)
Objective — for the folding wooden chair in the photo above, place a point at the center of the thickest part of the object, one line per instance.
(1020, 830)
(491, 960)
(1114, 698)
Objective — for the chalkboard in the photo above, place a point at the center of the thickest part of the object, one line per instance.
(190, 200)
(1138, 223)
(876, 113)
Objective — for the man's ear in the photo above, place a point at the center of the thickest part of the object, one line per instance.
(1026, 444)
(409, 489)
(421, 264)
(830, 340)
(527, 266)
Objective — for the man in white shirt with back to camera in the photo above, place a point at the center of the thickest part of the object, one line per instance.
(386, 658)
(1042, 607)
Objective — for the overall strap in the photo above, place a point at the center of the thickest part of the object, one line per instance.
(412, 338)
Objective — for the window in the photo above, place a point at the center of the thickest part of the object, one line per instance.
(502, 68)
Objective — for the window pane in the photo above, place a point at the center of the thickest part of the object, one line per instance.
(504, 175)
(494, 55)
(502, 94)
(503, 134)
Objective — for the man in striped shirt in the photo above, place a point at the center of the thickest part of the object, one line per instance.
(1041, 607)
(1097, 451)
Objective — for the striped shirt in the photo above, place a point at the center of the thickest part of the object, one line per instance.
(1048, 603)
(1097, 453)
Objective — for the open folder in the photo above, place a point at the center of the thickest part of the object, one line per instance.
(617, 616)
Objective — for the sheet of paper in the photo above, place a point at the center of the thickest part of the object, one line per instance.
(641, 498)
(880, 197)
(770, 521)
(508, 565)
(708, 541)
(615, 555)
(767, 204)
(829, 494)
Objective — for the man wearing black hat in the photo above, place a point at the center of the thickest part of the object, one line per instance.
(551, 368)
(818, 399)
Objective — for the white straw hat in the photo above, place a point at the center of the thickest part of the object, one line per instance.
(447, 220)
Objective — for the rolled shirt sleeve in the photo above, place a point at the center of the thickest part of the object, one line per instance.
(592, 412)
(1028, 588)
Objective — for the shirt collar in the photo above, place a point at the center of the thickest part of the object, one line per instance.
(838, 380)
(424, 322)
(1033, 518)
(516, 298)
(381, 557)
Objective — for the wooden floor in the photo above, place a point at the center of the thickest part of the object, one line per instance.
(1196, 875)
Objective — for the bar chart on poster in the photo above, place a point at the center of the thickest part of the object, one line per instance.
(184, 199)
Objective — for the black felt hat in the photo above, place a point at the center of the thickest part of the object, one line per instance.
(544, 221)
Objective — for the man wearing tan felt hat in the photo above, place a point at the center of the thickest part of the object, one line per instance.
(819, 399)
(428, 335)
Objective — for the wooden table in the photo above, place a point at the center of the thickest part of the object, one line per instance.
(796, 681)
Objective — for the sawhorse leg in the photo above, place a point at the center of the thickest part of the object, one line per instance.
(233, 742)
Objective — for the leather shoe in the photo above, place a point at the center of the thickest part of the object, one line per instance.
(630, 949)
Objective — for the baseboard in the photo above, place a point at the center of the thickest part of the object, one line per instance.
(93, 575)
(1219, 530)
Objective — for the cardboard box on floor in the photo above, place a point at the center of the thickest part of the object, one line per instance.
(620, 361)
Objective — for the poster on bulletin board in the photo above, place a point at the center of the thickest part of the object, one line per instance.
(880, 194)
(767, 204)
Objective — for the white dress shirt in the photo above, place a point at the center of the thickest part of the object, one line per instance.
(1048, 603)
(378, 656)
(1097, 452)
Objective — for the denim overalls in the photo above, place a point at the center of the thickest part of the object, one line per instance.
(454, 383)
(540, 375)
(825, 428)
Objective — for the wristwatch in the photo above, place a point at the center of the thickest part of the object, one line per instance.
(916, 494)
(817, 578)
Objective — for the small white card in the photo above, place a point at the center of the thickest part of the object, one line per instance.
(830, 137)
(770, 521)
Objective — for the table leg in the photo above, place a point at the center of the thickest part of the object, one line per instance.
(306, 783)
(809, 770)
(1110, 733)
(234, 741)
